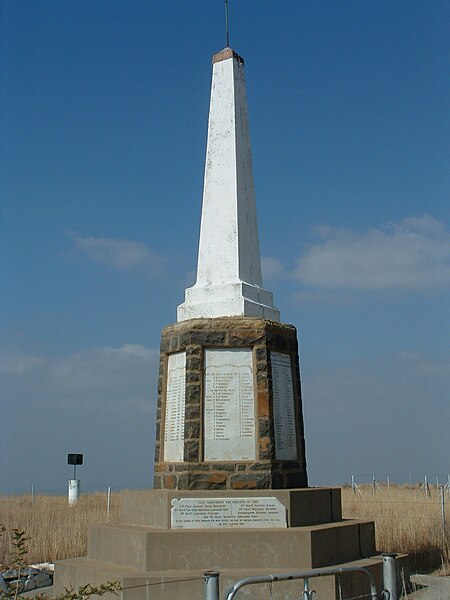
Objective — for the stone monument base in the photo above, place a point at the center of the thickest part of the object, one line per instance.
(154, 559)
(229, 426)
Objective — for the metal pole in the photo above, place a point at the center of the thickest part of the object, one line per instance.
(230, 595)
(211, 585)
(33, 499)
(353, 484)
(226, 24)
(388, 482)
(444, 538)
(306, 591)
(390, 583)
(108, 501)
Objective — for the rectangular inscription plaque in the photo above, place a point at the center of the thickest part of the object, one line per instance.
(175, 406)
(283, 407)
(229, 405)
(206, 513)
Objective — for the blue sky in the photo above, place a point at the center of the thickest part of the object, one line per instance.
(103, 115)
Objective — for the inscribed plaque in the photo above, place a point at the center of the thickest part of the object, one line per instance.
(229, 405)
(283, 407)
(175, 407)
(206, 513)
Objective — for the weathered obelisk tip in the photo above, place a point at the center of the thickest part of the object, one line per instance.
(225, 54)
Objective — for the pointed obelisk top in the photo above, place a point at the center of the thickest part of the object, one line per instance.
(229, 281)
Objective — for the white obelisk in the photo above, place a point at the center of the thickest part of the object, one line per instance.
(229, 281)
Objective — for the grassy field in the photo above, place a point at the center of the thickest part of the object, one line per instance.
(55, 529)
(406, 521)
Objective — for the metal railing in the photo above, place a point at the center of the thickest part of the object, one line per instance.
(212, 581)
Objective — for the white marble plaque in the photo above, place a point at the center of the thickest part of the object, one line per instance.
(283, 407)
(175, 407)
(206, 513)
(229, 405)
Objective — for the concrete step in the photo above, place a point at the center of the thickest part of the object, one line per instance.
(305, 506)
(430, 587)
(149, 549)
(177, 584)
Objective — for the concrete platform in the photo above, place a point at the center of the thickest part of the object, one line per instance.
(159, 563)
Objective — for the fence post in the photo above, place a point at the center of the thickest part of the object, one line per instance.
(74, 491)
(108, 501)
(444, 537)
(306, 589)
(390, 583)
(211, 585)
(33, 498)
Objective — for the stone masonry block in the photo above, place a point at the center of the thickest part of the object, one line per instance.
(193, 394)
(261, 354)
(193, 363)
(247, 481)
(265, 448)
(264, 427)
(191, 450)
(192, 429)
(192, 411)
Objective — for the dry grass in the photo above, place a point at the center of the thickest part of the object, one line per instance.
(56, 530)
(407, 520)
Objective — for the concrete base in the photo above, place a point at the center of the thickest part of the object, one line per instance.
(231, 300)
(154, 562)
(174, 585)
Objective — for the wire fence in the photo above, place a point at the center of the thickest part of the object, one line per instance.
(410, 518)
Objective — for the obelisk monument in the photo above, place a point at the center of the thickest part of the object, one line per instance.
(229, 410)
(230, 480)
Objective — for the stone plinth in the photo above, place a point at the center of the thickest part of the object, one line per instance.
(153, 560)
(229, 412)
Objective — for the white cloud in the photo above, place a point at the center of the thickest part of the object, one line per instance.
(122, 254)
(414, 253)
(273, 268)
(103, 378)
(17, 362)
(422, 364)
